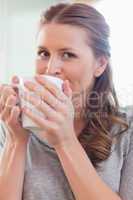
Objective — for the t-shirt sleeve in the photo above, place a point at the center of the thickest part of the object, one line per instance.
(2, 136)
(126, 183)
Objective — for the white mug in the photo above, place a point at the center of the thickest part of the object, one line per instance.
(27, 123)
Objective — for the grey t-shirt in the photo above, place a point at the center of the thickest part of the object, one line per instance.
(46, 180)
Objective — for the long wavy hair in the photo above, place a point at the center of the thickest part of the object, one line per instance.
(101, 110)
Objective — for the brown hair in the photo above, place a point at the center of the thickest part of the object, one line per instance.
(100, 113)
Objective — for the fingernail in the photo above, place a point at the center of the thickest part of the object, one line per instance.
(23, 108)
(27, 83)
(15, 79)
(38, 77)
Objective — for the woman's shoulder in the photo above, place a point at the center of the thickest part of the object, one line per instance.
(127, 112)
(123, 138)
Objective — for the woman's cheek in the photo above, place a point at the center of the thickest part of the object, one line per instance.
(74, 72)
(75, 77)
(40, 66)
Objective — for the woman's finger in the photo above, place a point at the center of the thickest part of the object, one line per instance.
(15, 79)
(67, 90)
(46, 96)
(2, 86)
(15, 113)
(42, 106)
(52, 88)
(6, 92)
(11, 101)
(43, 123)
(14, 83)
(1, 104)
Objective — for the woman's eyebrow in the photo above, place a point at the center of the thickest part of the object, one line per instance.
(42, 48)
(66, 49)
(61, 49)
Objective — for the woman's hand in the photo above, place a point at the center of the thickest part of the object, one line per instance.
(56, 105)
(10, 112)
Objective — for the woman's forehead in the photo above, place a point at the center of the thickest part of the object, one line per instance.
(66, 36)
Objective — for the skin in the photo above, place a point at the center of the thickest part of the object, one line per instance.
(76, 66)
(62, 51)
(80, 68)
(60, 127)
(9, 113)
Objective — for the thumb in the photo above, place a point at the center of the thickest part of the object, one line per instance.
(66, 89)
(14, 80)
(15, 112)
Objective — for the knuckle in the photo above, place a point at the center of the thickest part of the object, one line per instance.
(11, 99)
(9, 102)
(64, 111)
(55, 128)
(8, 90)
(2, 116)
(2, 86)
(60, 119)
(1, 107)
(56, 103)
(9, 121)
(56, 91)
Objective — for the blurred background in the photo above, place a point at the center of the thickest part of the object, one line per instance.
(18, 25)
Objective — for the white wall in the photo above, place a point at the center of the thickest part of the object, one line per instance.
(18, 23)
(3, 40)
(119, 15)
(18, 20)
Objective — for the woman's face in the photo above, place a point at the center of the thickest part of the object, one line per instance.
(63, 51)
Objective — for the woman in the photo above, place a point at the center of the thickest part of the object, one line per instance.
(89, 149)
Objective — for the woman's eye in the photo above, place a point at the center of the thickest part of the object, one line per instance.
(43, 54)
(68, 55)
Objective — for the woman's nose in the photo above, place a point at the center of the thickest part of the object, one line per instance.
(54, 67)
